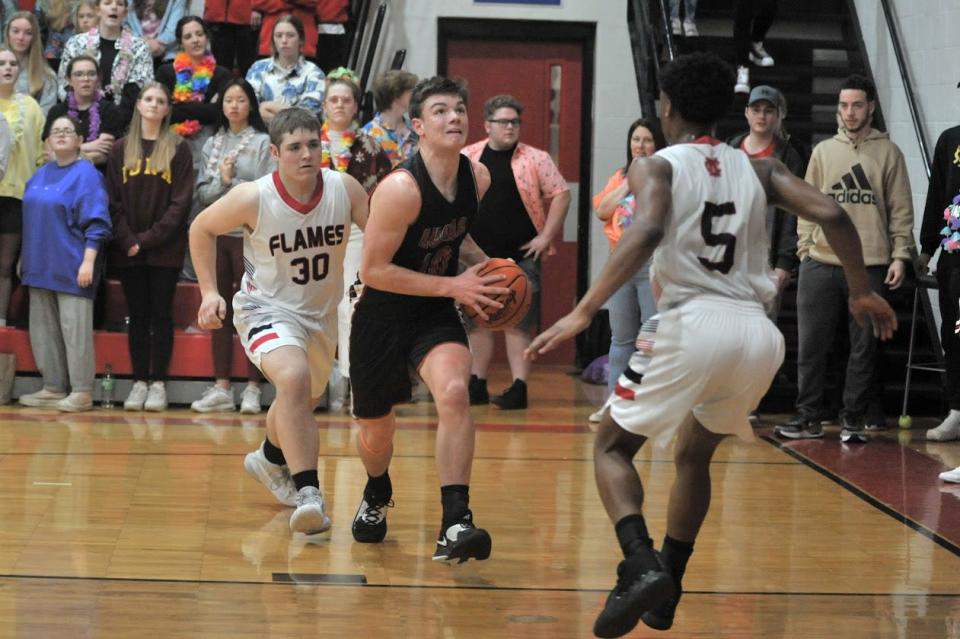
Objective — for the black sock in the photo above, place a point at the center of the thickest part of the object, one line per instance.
(675, 555)
(273, 454)
(380, 487)
(634, 538)
(306, 478)
(456, 503)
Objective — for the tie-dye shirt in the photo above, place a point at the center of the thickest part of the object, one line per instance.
(301, 86)
(398, 148)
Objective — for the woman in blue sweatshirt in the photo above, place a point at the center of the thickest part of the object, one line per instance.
(66, 222)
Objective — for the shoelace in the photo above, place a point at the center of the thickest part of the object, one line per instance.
(373, 513)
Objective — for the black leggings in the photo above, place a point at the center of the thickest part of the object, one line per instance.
(751, 21)
(149, 291)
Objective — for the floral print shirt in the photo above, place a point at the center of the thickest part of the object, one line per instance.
(133, 64)
(398, 148)
(301, 86)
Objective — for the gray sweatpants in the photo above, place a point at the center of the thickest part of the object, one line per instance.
(61, 336)
(822, 295)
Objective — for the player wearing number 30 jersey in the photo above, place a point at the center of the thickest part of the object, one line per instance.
(701, 213)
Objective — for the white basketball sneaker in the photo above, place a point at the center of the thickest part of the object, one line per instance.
(309, 517)
(274, 477)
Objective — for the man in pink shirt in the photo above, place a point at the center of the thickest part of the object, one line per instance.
(520, 216)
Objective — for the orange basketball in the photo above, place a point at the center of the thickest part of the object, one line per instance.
(516, 303)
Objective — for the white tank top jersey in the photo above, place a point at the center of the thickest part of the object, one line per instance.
(293, 259)
(715, 242)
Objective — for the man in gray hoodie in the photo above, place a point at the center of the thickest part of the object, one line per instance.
(865, 173)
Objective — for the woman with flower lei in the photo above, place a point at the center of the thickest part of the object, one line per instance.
(348, 150)
(124, 59)
(25, 118)
(101, 121)
(238, 153)
(196, 83)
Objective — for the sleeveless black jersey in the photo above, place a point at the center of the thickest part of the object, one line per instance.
(432, 242)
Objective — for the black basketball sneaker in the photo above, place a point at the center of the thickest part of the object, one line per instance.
(463, 541)
(370, 522)
(637, 591)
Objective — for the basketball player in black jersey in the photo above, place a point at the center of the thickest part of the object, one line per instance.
(406, 319)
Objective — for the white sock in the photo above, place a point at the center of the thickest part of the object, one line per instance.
(952, 419)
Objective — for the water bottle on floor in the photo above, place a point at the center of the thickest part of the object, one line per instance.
(106, 383)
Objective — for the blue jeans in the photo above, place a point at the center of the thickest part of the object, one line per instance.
(631, 303)
(689, 9)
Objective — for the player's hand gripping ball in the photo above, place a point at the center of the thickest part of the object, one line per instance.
(516, 303)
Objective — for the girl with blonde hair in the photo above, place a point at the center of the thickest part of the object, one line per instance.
(36, 79)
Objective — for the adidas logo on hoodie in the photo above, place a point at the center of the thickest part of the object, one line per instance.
(853, 188)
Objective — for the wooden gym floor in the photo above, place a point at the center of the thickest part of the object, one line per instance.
(128, 525)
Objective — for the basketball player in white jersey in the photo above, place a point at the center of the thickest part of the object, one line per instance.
(296, 225)
(702, 206)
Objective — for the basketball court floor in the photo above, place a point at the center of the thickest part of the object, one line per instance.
(115, 524)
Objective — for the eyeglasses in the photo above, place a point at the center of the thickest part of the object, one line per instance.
(83, 74)
(514, 123)
(54, 132)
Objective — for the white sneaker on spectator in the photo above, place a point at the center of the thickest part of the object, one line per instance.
(690, 28)
(250, 400)
(759, 55)
(156, 397)
(137, 396)
(948, 430)
(276, 478)
(214, 399)
(675, 27)
(309, 517)
(952, 476)
(41, 398)
(743, 80)
(75, 403)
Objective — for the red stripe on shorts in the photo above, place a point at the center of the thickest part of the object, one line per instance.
(260, 340)
(625, 393)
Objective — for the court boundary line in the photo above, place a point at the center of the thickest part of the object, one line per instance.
(242, 582)
(860, 493)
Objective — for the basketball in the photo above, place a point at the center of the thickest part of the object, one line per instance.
(516, 303)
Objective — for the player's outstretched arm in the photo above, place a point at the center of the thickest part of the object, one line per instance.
(239, 207)
(800, 198)
(359, 200)
(650, 181)
(394, 206)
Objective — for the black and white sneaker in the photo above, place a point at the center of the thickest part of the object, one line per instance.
(370, 522)
(463, 541)
(637, 591)
(799, 427)
(852, 430)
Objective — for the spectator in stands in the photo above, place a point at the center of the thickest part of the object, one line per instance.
(766, 109)
(68, 224)
(751, 21)
(25, 118)
(58, 16)
(86, 16)
(196, 82)
(866, 174)
(520, 217)
(391, 125)
(124, 59)
(633, 302)
(36, 78)
(238, 153)
(156, 21)
(100, 121)
(150, 183)
(6, 143)
(286, 79)
(266, 13)
(941, 229)
(689, 26)
(233, 39)
(333, 42)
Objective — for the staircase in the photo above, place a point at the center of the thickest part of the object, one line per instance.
(816, 44)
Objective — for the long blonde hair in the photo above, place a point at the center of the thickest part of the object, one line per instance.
(58, 14)
(165, 146)
(37, 67)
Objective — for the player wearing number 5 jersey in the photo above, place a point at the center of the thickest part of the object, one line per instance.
(702, 206)
(296, 223)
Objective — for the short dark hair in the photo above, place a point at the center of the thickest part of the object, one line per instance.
(184, 21)
(650, 124)
(502, 101)
(83, 57)
(859, 82)
(77, 127)
(290, 19)
(289, 120)
(437, 85)
(389, 86)
(700, 86)
(254, 119)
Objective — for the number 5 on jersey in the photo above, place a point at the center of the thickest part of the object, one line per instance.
(728, 241)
